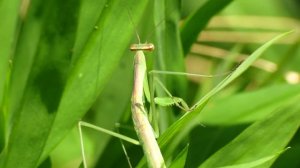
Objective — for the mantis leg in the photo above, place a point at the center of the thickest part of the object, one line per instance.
(149, 89)
(171, 100)
(85, 124)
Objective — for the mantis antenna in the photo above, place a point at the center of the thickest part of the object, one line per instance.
(136, 32)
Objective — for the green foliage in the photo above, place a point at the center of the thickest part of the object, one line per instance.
(66, 61)
(197, 22)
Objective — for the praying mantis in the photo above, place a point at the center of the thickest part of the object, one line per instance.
(141, 122)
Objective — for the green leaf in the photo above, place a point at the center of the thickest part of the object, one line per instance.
(255, 163)
(38, 75)
(258, 141)
(105, 111)
(241, 108)
(9, 11)
(101, 55)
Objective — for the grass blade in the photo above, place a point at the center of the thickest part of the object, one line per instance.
(9, 17)
(255, 163)
(258, 141)
(238, 110)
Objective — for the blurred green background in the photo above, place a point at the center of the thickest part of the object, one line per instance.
(65, 61)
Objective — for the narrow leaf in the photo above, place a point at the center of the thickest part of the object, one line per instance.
(258, 141)
(241, 109)
(253, 163)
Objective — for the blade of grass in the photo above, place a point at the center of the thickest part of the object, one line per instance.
(258, 141)
(238, 110)
(9, 16)
(258, 162)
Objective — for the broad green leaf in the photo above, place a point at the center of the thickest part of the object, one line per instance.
(40, 67)
(241, 108)
(9, 11)
(258, 141)
(106, 113)
(110, 104)
(100, 56)
(255, 163)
